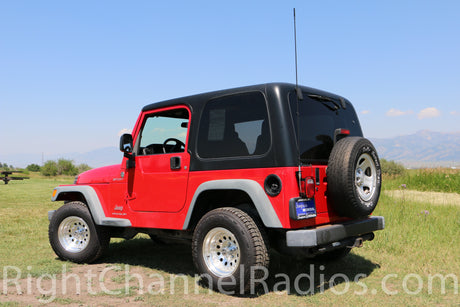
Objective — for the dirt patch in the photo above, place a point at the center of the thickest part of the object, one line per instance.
(434, 198)
(99, 284)
(107, 285)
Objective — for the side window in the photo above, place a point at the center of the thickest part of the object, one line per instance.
(163, 132)
(235, 125)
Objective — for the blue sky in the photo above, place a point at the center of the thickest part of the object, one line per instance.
(73, 74)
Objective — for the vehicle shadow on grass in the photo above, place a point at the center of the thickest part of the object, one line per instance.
(296, 277)
(169, 258)
(310, 276)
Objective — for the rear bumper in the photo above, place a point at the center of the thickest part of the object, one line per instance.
(333, 233)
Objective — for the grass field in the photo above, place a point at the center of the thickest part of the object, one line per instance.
(435, 180)
(414, 261)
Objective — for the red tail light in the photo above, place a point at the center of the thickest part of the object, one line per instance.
(310, 187)
(307, 187)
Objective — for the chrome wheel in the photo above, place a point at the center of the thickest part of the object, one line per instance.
(221, 252)
(365, 177)
(74, 234)
(226, 243)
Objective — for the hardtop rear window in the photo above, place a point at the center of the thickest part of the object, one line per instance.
(319, 117)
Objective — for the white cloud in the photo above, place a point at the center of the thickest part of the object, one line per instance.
(395, 112)
(364, 112)
(454, 113)
(123, 131)
(429, 113)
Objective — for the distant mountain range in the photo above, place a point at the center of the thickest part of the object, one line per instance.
(422, 149)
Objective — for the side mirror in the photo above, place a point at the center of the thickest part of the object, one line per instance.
(126, 146)
(126, 143)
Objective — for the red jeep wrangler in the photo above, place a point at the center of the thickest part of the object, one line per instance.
(235, 172)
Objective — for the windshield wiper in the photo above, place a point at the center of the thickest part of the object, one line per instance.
(324, 99)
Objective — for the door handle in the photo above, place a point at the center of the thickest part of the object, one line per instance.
(174, 163)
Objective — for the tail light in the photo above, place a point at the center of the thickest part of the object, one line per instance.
(310, 187)
(307, 187)
(303, 207)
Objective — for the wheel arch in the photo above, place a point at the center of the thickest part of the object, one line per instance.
(88, 195)
(240, 193)
(70, 196)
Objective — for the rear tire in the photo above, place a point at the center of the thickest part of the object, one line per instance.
(354, 177)
(74, 236)
(229, 249)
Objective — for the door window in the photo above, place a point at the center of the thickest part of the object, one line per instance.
(164, 132)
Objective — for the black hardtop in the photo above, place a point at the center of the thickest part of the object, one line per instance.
(282, 151)
(199, 99)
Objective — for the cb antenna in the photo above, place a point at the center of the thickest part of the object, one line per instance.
(299, 98)
(298, 91)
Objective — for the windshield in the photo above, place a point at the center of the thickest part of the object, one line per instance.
(319, 117)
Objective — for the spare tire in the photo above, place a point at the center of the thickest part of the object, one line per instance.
(353, 177)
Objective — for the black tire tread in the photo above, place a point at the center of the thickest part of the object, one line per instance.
(340, 178)
(100, 234)
(257, 235)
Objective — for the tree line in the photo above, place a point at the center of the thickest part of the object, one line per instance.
(66, 167)
(53, 168)
(5, 166)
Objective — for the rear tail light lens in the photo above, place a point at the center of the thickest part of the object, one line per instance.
(307, 187)
(310, 187)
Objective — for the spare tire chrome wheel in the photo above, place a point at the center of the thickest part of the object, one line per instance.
(366, 177)
(353, 177)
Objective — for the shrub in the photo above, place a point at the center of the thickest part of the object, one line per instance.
(63, 167)
(49, 168)
(66, 167)
(33, 168)
(83, 168)
(5, 167)
(392, 168)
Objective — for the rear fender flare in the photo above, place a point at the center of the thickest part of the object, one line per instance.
(252, 188)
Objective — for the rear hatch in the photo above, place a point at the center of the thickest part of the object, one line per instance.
(318, 118)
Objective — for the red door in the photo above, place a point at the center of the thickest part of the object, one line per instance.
(158, 182)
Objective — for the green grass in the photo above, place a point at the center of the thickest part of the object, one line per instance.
(24, 207)
(436, 180)
(420, 241)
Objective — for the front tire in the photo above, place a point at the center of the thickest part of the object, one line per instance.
(74, 236)
(229, 249)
